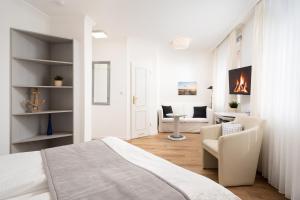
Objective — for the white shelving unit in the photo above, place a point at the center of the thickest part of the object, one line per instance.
(35, 60)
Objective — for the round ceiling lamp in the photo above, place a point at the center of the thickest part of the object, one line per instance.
(181, 43)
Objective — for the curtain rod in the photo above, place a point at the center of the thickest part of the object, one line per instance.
(245, 18)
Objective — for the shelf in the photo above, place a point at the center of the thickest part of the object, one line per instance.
(43, 112)
(43, 37)
(43, 86)
(41, 61)
(44, 137)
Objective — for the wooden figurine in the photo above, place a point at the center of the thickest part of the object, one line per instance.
(35, 101)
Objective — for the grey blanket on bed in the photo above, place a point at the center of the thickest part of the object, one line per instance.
(93, 171)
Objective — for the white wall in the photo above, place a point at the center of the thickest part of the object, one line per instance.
(20, 15)
(112, 120)
(187, 65)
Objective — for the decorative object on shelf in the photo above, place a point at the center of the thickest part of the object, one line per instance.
(187, 88)
(212, 89)
(233, 106)
(49, 129)
(35, 102)
(58, 81)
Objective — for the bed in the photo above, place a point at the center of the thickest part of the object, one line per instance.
(23, 177)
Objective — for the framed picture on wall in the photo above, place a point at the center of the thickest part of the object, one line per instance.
(187, 88)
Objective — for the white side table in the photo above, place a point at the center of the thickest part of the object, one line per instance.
(176, 135)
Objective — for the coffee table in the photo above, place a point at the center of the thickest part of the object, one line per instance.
(176, 135)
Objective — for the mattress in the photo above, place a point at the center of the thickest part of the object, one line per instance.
(22, 176)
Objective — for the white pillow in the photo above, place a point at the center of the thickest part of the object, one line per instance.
(229, 128)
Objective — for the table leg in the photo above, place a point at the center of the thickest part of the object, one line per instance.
(176, 135)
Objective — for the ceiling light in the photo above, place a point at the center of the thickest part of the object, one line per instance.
(99, 34)
(181, 43)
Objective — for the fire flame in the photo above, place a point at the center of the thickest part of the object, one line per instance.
(241, 85)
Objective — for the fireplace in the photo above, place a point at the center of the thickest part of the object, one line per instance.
(240, 81)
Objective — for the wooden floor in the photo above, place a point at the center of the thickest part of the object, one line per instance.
(187, 154)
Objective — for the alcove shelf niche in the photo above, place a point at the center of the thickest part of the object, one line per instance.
(36, 59)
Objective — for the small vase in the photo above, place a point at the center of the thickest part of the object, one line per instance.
(49, 129)
(58, 83)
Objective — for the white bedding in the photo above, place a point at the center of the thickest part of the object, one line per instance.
(22, 176)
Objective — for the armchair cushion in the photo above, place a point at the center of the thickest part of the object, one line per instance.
(229, 128)
(212, 146)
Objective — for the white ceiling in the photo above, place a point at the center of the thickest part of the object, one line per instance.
(206, 22)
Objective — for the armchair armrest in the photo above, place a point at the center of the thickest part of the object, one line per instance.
(211, 132)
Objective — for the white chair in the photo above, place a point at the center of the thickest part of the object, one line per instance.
(236, 155)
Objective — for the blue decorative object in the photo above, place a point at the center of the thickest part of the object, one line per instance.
(49, 129)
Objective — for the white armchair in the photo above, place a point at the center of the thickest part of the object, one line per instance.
(236, 155)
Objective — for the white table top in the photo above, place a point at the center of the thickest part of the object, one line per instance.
(175, 115)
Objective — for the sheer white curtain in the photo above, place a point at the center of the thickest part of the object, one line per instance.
(276, 96)
(225, 58)
(220, 72)
(257, 51)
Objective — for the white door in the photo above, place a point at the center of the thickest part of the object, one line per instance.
(139, 102)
